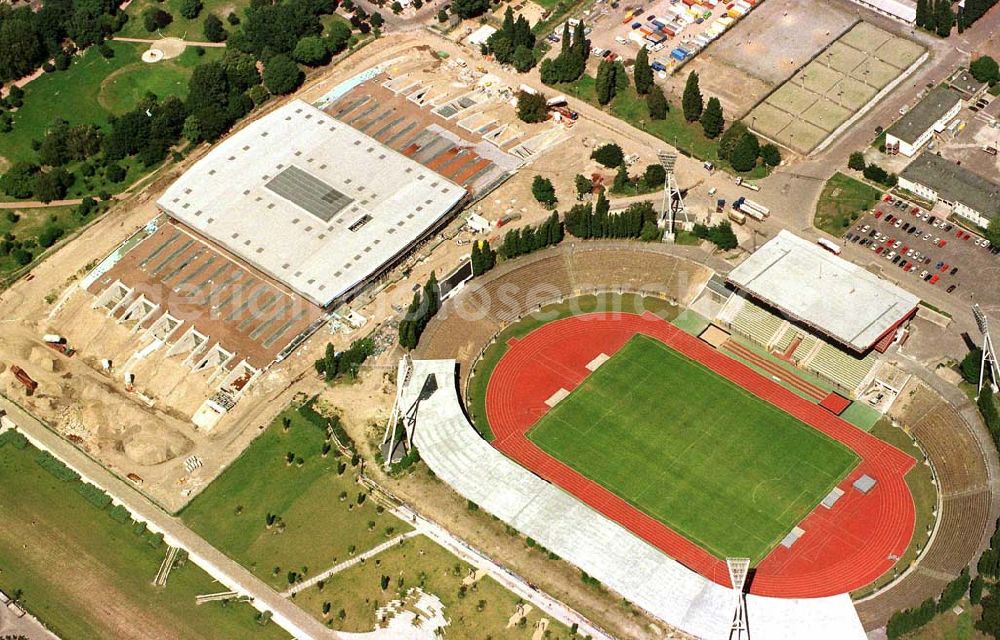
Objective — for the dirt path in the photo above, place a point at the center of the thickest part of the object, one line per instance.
(188, 43)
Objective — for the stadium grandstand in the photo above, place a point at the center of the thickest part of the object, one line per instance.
(835, 298)
(626, 564)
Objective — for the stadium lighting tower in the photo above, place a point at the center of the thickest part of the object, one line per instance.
(989, 357)
(672, 202)
(738, 569)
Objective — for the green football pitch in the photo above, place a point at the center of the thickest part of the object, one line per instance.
(729, 471)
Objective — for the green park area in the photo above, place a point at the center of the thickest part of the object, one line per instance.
(843, 201)
(476, 606)
(179, 27)
(92, 89)
(290, 506)
(746, 457)
(86, 569)
(687, 137)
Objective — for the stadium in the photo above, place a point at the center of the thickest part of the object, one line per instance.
(608, 402)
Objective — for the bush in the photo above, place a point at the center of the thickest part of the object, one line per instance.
(543, 191)
(721, 235)
(94, 495)
(311, 51)
(49, 235)
(770, 154)
(531, 107)
(903, 622)
(971, 366)
(54, 466)
(876, 173)
(153, 19)
(190, 8)
(857, 161)
(610, 155)
(213, 29)
(282, 75)
(954, 591)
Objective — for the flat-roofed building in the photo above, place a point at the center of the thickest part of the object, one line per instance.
(312, 202)
(918, 125)
(969, 195)
(833, 297)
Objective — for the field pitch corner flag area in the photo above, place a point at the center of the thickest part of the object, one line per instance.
(701, 456)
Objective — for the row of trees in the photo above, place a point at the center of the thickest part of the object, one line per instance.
(871, 170)
(528, 239)
(593, 220)
(693, 103)
(513, 43)
(972, 11)
(571, 62)
(936, 16)
(335, 364)
(909, 620)
(421, 310)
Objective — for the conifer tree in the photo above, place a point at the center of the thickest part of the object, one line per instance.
(692, 101)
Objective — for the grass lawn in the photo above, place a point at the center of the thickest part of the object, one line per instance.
(483, 611)
(688, 138)
(319, 527)
(122, 89)
(181, 27)
(717, 449)
(574, 306)
(88, 576)
(29, 223)
(843, 201)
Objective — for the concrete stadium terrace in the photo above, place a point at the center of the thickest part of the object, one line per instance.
(843, 549)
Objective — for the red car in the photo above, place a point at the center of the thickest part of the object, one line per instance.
(958, 234)
(941, 243)
(878, 214)
(879, 250)
(944, 267)
(909, 265)
(915, 210)
(965, 236)
(934, 278)
(904, 249)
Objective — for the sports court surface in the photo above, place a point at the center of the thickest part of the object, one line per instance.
(684, 444)
(841, 548)
(840, 81)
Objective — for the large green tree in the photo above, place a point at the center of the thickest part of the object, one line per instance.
(712, 120)
(692, 102)
(944, 18)
(604, 84)
(282, 75)
(985, 69)
(744, 155)
(656, 102)
(643, 72)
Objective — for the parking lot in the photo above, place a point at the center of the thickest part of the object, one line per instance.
(911, 245)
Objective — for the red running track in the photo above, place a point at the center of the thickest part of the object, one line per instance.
(843, 548)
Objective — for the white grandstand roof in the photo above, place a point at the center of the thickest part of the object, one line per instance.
(633, 568)
(309, 200)
(818, 288)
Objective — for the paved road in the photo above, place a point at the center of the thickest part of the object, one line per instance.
(189, 43)
(285, 613)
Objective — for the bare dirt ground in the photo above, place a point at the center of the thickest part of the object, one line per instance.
(763, 50)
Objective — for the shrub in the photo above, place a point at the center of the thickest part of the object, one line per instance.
(610, 155)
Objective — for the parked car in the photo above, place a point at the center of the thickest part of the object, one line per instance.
(953, 271)
(952, 288)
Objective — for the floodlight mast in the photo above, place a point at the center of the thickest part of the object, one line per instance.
(988, 360)
(738, 570)
(400, 415)
(672, 201)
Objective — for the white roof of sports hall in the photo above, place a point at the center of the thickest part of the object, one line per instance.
(813, 286)
(309, 200)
